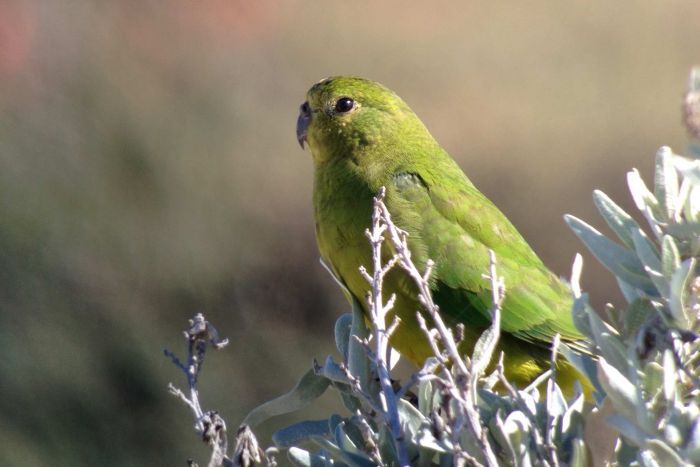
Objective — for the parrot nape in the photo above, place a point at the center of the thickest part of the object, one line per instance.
(362, 137)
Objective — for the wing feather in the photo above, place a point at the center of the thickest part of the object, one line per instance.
(455, 225)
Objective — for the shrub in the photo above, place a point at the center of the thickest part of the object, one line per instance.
(644, 360)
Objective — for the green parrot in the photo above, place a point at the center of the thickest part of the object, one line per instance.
(362, 137)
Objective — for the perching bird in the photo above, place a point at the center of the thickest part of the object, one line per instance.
(362, 137)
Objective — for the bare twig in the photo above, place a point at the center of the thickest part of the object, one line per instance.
(209, 424)
(378, 314)
(460, 381)
(200, 334)
(552, 420)
(525, 409)
(247, 451)
(691, 104)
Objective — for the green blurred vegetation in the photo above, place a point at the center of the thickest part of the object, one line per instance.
(149, 170)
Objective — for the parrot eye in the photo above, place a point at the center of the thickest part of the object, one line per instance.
(344, 104)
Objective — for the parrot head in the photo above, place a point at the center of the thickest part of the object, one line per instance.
(348, 117)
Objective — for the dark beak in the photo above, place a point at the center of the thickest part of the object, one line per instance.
(303, 123)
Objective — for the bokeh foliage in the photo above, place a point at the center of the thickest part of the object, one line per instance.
(148, 170)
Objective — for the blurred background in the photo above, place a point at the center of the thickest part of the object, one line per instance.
(149, 170)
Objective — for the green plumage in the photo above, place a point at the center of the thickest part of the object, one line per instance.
(379, 142)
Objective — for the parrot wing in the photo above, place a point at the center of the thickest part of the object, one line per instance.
(455, 225)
